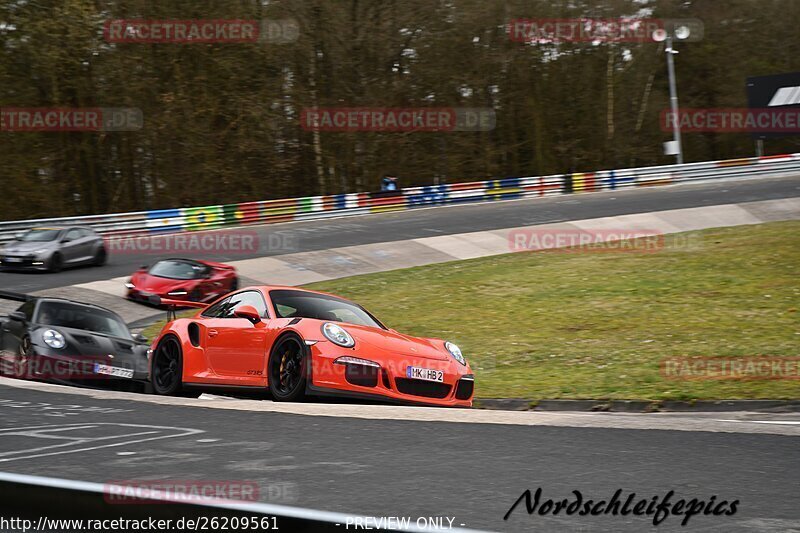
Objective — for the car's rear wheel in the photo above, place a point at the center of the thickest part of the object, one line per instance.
(56, 263)
(166, 374)
(287, 369)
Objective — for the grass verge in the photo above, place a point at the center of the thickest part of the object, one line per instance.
(598, 325)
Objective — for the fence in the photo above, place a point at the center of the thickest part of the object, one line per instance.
(317, 207)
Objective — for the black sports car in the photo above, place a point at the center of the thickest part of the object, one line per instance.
(62, 340)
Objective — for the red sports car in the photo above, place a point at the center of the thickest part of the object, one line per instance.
(182, 279)
(295, 342)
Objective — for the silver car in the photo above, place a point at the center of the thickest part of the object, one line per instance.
(53, 248)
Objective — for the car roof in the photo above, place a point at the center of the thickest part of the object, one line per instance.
(267, 288)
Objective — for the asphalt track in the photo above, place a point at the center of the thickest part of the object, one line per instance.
(382, 460)
(279, 239)
(396, 461)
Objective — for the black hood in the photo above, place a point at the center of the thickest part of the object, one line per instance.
(86, 343)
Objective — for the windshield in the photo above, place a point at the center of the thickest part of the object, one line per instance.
(77, 316)
(291, 304)
(40, 235)
(177, 270)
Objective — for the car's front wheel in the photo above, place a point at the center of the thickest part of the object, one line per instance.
(56, 263)
(287, 369)
(100, 257)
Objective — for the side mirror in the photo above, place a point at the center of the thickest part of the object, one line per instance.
(249, 312)
(140, 339)
(18, 236)
(143, 267)
(66, 240)
(19, 316)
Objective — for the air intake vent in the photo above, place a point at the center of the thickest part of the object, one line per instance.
(123, 347)
(85, 339)
(417, 387)
(465, 388)
(362, 375)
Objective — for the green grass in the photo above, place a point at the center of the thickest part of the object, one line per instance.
(597, 325)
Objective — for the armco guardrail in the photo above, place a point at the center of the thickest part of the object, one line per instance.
(316, 207)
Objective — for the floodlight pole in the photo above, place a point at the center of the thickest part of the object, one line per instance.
(673, 99)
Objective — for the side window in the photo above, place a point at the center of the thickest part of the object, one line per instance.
(216, 310)
(247, 298)
(27, 308)
(73, 234)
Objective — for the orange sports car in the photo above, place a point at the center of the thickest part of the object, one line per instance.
(295, 342)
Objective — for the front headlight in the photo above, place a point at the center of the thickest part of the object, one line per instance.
(45, 250)
(129, 285)
(337, 335)
(455, 351)
(54, 339)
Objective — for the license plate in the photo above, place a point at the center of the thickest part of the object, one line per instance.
(426, 374)
(114, 371)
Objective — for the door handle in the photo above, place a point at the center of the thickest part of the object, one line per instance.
(212, 333)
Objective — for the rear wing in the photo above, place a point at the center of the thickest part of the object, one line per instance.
(172, 305)
(15, 296)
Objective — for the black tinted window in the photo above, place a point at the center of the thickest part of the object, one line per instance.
(40, 235)
(290, 304)
(227, 307)
(76, 316)
(246, 298)
(217, 309)
(177, 270)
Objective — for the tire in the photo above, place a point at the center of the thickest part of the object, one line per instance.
(234, 284)
(56, 263)
(287, 369)
(196, 296)
(100, 257)
(166, 373)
